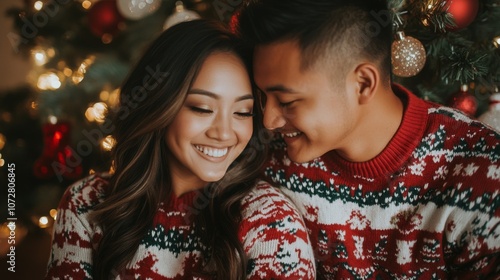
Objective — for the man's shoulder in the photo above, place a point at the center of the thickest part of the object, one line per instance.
(265, 200)
(263, 192)
(461, 126)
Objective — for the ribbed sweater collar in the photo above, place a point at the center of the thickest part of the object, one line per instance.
(398, 150)
(184, 201)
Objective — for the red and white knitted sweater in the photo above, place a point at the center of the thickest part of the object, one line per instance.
(427, 207)
(272, 233)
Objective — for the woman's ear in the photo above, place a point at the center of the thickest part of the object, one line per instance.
(368, 79)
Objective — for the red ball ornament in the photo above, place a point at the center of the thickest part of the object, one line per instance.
(464, 101)
(57, 158)
(463, 11)
(104, 18)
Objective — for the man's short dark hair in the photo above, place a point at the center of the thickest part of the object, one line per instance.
(343, 30)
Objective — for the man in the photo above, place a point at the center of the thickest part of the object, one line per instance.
(390, 186)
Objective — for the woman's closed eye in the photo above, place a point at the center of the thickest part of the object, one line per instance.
(247, 114)
(200, 110)
(206, 111)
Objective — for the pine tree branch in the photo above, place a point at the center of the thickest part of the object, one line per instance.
(464, 66)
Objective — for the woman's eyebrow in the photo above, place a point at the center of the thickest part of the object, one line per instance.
(217, 96)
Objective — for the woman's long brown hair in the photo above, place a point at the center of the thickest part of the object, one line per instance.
(150, 99)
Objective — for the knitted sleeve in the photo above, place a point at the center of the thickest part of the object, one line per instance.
(74, 236)
(274, 237)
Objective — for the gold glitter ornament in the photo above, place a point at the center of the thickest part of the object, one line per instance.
(408, 55)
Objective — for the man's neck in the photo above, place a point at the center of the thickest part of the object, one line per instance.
(377, 126)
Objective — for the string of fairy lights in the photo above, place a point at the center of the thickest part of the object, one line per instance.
(52, 79)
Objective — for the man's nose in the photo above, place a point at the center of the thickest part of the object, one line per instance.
(274, 115)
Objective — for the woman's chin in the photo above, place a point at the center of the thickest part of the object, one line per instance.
(213, 177)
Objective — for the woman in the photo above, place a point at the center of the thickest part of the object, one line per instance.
(183, 201)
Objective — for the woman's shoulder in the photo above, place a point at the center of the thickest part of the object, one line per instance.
(85, 193)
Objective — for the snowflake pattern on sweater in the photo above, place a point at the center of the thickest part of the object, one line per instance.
(272, 232)
(427, 207)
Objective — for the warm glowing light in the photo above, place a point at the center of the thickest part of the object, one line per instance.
(39, 56)
(104, 95)
(50, 52)
(86, 4)
(43, 222)
(38, 5)
(96, 112)
(48, 81)
(53, 213)
(114, 97)
(108, 143)
(107, 38)
(100, 110)
(496, 41)
(4, 230)
(112, 168)
(67, 72)
(91, 171)
(2, 162)
(77, 77)
(89, 114)
(79, 74)
(52, 119)
(2, 141)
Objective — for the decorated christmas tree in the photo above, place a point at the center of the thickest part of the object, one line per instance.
(54, 129)
(448, 51)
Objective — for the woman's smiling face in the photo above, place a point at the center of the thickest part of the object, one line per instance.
(215, 123)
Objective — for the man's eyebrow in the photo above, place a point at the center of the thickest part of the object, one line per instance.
(279, 88)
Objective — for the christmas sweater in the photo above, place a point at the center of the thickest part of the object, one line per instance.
(272, 233)
(426, 207)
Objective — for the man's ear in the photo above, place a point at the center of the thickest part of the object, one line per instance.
(367, 77)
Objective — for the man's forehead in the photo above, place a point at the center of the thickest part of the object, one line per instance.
(289, 54)
(277, 46)
(277, 56)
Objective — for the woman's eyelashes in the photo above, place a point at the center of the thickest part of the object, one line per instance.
(248, 114)
(208, 111)
(200, 110)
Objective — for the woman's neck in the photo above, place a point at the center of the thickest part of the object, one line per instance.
(182, 185)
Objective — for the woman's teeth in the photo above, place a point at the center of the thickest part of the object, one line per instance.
(212, 152)
(293, 134)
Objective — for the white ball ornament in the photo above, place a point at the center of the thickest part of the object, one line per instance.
(137, 9)
(181, 14)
